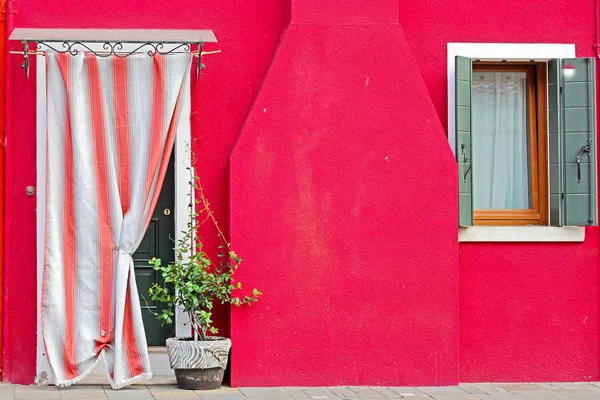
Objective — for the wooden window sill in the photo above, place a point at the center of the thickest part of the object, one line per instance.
(521, 234)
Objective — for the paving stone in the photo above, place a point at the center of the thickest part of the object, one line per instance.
(545, 395)
(310, 393)
(472, 389)
(583, 395)
(365, 391)
(443, 390)
(129, 393)
(7, 392)
(489, 388)
(272, 397)
(221, 390)
(320, 393)
(298, 394)
(82, 392)
(342, 392)
(505, 396)
(387, 393)
(168, 392)
(36, 392)
(205, 395)
(568, 386)
(521, 387)
(405, 390)
(548, 386)
(265, 392)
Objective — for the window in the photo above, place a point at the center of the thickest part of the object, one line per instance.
(509, 139)
(524, 131)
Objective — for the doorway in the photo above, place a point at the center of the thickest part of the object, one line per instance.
(176, 180)
(157, 242)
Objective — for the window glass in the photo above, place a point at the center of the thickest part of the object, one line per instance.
(501, 162)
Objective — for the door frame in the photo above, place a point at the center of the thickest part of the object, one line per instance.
(183, 160)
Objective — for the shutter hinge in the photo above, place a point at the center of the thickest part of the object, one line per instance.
(560, 91)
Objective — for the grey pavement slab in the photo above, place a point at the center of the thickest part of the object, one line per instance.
(36, 392)
(577, 386)
(468, 391)
(443, 390)
(342, 392)
(129, 393)
(267, 392)
(231, 396)
(387, 393)
(224, 393)
(405, 391)
(83, 392)
(168, 392)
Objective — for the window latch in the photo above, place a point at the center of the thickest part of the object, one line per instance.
(465, 160)
(584, 149)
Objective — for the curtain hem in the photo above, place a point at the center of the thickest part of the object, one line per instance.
(142, 377)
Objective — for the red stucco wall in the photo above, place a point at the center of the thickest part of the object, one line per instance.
(343, 194)
(344, 202)
(528, 312)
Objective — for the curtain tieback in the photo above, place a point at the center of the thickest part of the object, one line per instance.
(117, 247)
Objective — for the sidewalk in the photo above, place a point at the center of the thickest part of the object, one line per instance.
(483, 391)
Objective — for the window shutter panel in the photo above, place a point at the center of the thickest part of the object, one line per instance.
(463, 140)
(572, 142)
(554, 143)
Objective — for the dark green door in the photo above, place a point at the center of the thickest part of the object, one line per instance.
(156, 243)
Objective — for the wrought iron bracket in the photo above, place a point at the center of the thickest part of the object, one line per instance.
(199, 65)
(25, 64)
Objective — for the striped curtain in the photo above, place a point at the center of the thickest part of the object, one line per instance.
(111, 125)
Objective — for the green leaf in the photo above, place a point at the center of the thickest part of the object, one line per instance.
(198, 283)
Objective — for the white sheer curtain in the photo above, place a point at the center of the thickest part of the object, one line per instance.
(500, 141)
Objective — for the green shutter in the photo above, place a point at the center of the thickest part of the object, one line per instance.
(463, 140)
(572, 142)
(554, 143)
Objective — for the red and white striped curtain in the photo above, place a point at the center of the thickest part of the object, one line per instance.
(111, 125)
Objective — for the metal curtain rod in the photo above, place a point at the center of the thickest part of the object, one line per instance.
(194, 53)
(114, 48)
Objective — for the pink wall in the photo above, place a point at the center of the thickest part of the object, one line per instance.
(248, 34)
(343, 195)
(343, 200)
(528, 312)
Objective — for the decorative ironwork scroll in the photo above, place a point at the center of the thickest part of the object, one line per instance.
(113, 48)
(116, 49)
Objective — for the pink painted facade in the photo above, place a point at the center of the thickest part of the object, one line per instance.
(321, 138)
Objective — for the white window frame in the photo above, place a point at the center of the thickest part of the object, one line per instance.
(182, 177)
(510, 52)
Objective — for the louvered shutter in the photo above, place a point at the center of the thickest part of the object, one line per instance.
(464, 140)
(572, 142)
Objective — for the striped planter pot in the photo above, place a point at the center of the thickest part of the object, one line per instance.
(199, 365)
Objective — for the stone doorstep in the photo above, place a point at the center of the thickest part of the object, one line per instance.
(159, 363)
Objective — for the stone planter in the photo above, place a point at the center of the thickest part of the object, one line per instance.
(198, 365)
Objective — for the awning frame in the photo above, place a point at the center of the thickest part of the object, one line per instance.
(74, 41)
